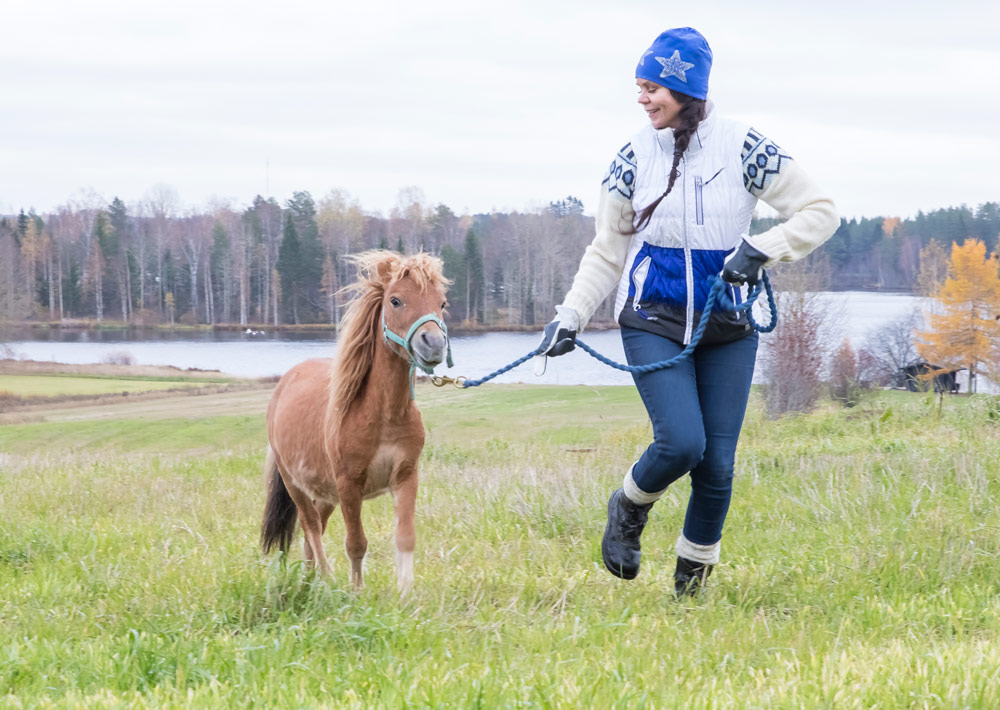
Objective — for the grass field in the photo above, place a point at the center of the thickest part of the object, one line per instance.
(860, 565)
(60, 386)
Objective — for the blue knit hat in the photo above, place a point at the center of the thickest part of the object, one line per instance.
(679, 59)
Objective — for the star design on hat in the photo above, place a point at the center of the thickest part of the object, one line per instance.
(642, 60)
(674, 66)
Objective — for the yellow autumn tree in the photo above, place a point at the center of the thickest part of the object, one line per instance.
(890, 225)
(966, 332)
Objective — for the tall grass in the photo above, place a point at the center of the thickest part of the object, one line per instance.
(859, 569)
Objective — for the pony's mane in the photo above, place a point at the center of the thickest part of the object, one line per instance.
(361, 328)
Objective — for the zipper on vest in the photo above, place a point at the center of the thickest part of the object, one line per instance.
(699, 209)
(688, 268)
(639, 274)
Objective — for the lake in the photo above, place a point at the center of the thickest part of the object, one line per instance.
(246, 355)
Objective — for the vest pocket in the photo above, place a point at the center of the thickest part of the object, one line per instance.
(639, 274)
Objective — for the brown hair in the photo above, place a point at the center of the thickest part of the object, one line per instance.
(691, 114)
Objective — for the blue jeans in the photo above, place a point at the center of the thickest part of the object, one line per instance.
(696, 408)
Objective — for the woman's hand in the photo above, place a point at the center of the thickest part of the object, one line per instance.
(744, 265)
(559, 336)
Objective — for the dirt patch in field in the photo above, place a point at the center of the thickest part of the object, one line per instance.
(204, 393)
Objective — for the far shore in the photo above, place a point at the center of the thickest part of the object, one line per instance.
(84, 325)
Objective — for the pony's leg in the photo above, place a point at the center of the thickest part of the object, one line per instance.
(312, 530)
(324, 510)
(307, 549)
(404, 495)
(354, 539)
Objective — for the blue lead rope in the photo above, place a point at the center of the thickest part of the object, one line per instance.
(715, 301)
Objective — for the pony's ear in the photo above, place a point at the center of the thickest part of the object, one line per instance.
(385, 268)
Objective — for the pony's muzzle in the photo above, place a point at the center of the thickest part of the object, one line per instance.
(430, 345)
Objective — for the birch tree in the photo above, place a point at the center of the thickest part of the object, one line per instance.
(162, 201)
(95, 263)
(409, 218)
(933, 268)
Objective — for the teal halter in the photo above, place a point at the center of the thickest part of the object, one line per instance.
(405, 343)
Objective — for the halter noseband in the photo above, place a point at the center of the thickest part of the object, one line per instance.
(392, 337)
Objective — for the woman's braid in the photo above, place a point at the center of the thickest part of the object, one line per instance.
(691, 114)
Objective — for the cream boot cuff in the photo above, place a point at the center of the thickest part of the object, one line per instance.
(705, 554)
(636, 494)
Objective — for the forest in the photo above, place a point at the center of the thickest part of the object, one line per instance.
(272, 264)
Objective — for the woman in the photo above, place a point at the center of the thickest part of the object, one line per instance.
(675, 211)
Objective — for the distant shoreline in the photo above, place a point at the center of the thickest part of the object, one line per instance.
(82, 325)
(91, 325)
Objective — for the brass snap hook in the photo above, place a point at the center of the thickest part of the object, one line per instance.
(442, 380)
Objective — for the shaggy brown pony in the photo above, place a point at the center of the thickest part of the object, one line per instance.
(348, 430)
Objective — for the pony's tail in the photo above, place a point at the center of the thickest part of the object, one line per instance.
(279, 511)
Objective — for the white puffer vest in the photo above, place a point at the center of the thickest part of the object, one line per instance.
(672, 259)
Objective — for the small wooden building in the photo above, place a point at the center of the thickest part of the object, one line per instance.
(918, 378)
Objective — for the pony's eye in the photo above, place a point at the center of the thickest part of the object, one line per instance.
(396, 303)
(444, 305)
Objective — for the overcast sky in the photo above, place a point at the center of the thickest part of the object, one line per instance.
(892, 107)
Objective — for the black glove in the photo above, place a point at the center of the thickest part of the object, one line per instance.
(744, 265)
(559, 337)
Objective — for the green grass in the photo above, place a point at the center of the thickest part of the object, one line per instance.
(859, 567)
(191, 435)
(54, 385)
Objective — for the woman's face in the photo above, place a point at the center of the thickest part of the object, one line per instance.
(660, 105)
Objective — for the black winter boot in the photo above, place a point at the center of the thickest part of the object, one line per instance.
(690, 576)
(620, 546)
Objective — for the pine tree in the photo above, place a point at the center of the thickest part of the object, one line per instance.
(453, 263)
(475, 280)
(310, 260)
(571, 206)
(967, 332)
(22, 227)
(103, 244)
(290, 267)
(72, 290)
(118, 258)
(219, 269)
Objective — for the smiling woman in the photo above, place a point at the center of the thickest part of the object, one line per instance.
(662, 105)
(674, 216)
